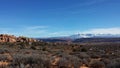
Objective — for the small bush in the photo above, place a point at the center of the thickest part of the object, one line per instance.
(83, 50)
(96, 64)
(33, 47)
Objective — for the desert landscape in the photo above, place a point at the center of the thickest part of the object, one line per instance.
(39, 54)
(59, 33)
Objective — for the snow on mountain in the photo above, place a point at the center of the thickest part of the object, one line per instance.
(94, 36)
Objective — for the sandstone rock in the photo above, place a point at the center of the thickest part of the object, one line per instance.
(12, 38)
(7, 38)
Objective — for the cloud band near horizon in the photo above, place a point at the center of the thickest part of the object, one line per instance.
(44, 31)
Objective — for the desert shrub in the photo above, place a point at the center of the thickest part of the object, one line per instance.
(96, 64)
(74, 50)
(44, 49)
(33, 47)
(83, 50)
(2, 51)
(83, 55)
(115, 63)
(105, 60)
(68, 61)
(34, 61)
(3, 57)
(95, 56)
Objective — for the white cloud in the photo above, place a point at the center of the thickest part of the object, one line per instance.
(36, 27)
(33, 31)
(62, 33)
(44, 31)
(28, 31)
(103, 31)
(90, 31)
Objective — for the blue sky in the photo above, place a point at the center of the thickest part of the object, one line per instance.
(48, 18)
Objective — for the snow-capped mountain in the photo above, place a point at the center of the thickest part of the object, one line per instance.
(84, 37)
(94, 36)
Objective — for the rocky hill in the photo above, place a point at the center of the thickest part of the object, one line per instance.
(12, 38)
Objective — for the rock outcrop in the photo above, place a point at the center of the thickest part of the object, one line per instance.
(12, 38)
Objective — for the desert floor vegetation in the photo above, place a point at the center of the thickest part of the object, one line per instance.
(59, 55)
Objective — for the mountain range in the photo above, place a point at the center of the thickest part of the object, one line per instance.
(77, 36)
(84, 37)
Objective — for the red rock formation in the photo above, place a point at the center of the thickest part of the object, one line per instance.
(12, 38)
(7, 38)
